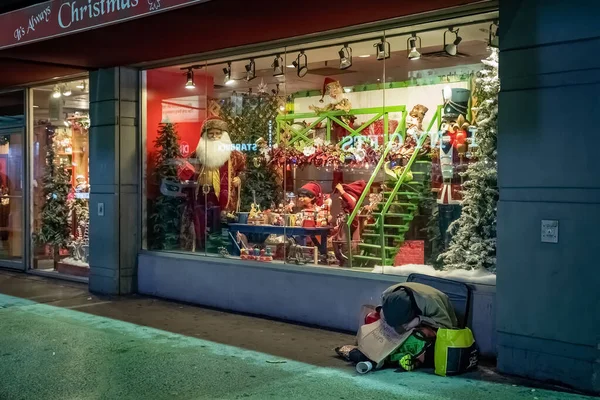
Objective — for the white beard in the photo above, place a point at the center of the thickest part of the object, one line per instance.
(213, 154)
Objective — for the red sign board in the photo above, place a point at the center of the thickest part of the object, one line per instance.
(61, 17)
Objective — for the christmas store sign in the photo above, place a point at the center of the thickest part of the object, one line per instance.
(60, 17)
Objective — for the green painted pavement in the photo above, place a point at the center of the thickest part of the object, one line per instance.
(51, 353)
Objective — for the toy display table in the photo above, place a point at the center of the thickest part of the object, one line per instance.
(318, 235)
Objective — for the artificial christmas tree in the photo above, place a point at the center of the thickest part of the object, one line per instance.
(473, 242)
(165, 218)
(251, 117)
(55, 227)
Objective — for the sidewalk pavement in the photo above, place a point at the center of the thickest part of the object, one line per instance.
(57, 341)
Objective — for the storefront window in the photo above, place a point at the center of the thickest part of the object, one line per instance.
(12, 129)
(346, 153)
(61, 185)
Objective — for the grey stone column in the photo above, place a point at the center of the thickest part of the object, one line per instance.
(114, 179)
(548, 296)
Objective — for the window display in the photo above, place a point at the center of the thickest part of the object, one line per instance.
(61, 178)
(12, 132)
(299, 156)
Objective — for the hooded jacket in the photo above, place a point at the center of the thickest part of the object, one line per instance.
(404, 301)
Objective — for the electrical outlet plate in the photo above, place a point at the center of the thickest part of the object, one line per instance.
(101, 209)
(549, 231)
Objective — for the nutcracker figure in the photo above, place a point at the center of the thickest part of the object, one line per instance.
(453, 160)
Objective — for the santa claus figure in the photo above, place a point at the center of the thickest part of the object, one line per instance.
(219, 180)
(335, 91)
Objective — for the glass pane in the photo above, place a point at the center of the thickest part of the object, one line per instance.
(12, 128)
(61, 184)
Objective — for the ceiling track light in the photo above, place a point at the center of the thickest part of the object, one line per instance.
(227, 71)
(66, 91)
(494, 39)
(383, 49)
(345, 54)
(301, 64)
(81, 85)
(56, 92)
(452, 48)
(250, 70)
(189, 84)
(277, 66)
(411, 47)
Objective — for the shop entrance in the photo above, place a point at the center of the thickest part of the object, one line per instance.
(60, 179)
(12, 133)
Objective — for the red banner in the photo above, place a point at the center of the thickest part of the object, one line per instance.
(61, 17)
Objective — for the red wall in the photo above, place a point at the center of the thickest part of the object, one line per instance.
(163, 85)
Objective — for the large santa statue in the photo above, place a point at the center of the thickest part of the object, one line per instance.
(219, 181)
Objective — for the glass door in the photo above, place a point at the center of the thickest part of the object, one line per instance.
(60, 183)
(12, 136)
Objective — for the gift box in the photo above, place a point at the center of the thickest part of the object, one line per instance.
(411, 252)
(185, 171)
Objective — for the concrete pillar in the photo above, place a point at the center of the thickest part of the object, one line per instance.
(548, 302)
(114, 179)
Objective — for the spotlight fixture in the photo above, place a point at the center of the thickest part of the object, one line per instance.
(447, 94)
(56, 92)
(227, 72)
(411, 47)
(81, 85)
(66, 91)
(494, 40)
(301, 64)
(189, 84)
(250, 70)
(277, 66)
(383, 49)
(345, 57)
(452, 48)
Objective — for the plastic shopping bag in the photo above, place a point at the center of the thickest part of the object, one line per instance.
(455, 351)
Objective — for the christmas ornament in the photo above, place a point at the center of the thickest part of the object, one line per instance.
(262, 87)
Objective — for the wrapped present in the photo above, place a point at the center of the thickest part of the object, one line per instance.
(185, 171)
(411, 252)
(376, 128)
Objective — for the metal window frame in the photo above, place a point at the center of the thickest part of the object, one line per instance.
(438, 17)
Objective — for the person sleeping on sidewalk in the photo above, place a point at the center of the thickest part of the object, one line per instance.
(407, 320)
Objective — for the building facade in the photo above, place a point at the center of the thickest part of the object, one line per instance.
(156, 200)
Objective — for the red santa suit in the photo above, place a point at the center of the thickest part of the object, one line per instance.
(218, 178)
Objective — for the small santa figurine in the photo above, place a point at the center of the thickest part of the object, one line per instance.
(335, 91)
(218, 177)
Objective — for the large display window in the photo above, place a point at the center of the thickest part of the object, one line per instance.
(12, 135)
(60, 178)
(347, 153)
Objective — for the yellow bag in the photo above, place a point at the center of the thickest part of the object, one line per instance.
(455, 351)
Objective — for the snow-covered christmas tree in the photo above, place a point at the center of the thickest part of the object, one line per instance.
(473, 242)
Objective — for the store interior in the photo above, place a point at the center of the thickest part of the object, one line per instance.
(12, 132)
(334, 154)
(60, 184)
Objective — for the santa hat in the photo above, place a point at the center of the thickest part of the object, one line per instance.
(326, 82)
(315, 190)
(355, 190)
(214, 123)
